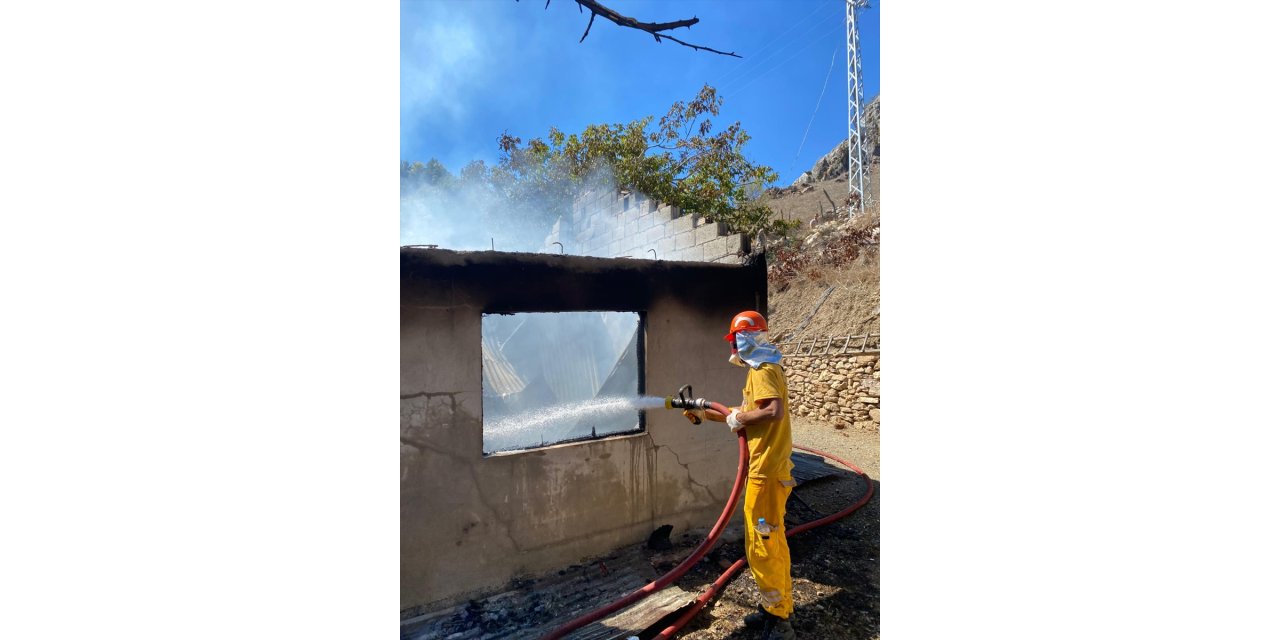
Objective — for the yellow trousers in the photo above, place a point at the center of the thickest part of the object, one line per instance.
(770, 560)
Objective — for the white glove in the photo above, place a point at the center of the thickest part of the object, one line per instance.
(732, 420)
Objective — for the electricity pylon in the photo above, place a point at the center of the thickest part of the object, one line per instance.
(854, 58)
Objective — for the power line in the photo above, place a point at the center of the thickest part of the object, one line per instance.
(801, 41)
(815, 108)
(776, 66)
(743, 64)
(741, 73)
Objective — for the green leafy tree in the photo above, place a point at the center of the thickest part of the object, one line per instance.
(680, 159)
(417, 174)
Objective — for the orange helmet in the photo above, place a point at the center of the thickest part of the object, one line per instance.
(746, 321)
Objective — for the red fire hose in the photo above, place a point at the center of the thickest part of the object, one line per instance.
(705, 546)
(733, 569)
(683, 567)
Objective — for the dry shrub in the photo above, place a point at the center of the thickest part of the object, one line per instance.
(851, 308)
(857, 242)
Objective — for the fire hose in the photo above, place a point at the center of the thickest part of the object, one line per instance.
(683, 400)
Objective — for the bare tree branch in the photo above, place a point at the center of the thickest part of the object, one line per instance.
(624, 21)
(652, 28)
(658, 36)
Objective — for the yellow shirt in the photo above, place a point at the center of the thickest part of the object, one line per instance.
(770, 442)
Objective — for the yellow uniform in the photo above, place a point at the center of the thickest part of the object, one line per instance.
(769, 484)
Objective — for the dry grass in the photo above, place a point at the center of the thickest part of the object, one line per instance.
(852, 307)
(846, 261)
(803, 204)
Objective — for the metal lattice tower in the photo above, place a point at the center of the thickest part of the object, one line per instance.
(854, 58)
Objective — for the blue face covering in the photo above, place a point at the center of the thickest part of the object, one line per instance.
(754, 350)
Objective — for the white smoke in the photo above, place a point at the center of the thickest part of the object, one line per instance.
(468, 215)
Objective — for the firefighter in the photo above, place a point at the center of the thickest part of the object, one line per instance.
(765, 414)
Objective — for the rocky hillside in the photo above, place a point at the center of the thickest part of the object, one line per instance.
(836, 163)
(824, 280)
(816, 195)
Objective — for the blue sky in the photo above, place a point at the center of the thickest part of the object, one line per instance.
(470, 69)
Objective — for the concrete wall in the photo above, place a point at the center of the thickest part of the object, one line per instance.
(470, 523)
(844, 388)
(606, 224)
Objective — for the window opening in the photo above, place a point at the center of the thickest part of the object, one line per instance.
(559, 377)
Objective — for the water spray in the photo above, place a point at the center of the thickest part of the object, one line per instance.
(682, 400)
(513, 429)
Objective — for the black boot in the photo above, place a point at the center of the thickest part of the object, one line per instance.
(776, 628)
(757, 618)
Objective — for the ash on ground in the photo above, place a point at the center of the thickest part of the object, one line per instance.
(835, 569)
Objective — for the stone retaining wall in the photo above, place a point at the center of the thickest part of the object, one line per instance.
(842, 389)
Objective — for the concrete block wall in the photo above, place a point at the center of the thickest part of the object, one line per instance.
(843, 389)
(609, 225)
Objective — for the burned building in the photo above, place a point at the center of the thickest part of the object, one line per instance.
(530, 437)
